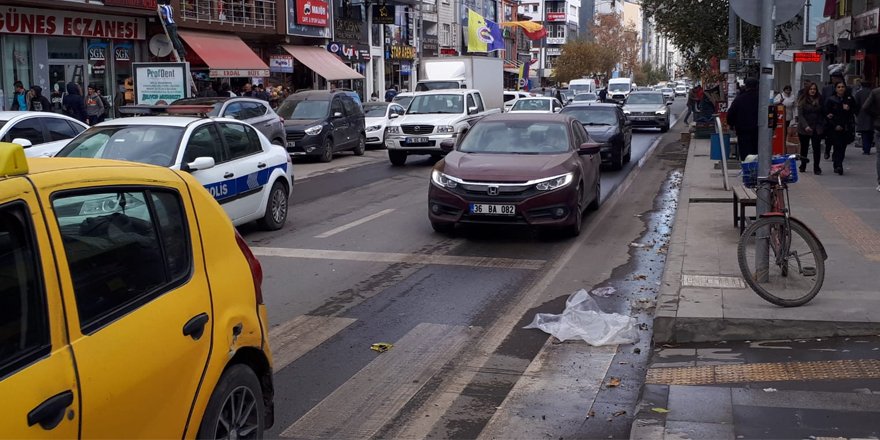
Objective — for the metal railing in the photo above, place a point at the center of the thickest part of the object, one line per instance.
(252, 13)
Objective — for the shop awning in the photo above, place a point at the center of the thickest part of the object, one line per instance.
(226, 55)
(322, 62)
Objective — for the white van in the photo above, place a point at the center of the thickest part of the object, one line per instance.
(582, 85)
(619, 88)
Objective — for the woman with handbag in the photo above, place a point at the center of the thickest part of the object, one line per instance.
(810, 126)
(840, 109)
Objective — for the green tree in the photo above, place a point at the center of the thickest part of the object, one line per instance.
(648, 74)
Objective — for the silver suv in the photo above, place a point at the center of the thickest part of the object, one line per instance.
(251, 110)
(647, 109)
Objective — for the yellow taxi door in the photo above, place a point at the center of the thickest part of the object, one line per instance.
(137, 291)
(40, 397)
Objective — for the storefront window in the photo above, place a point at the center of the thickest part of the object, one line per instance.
(98, 74)
(65, 48)
(123, 55)
(16, 65)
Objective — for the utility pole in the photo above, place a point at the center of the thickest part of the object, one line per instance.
(768, 15)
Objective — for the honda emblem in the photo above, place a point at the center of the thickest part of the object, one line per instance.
(492, 190)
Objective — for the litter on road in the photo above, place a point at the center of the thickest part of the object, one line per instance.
(583, 319)
(381, 347)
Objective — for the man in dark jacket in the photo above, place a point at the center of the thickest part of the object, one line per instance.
(38, 102)
(74, 104)
(743, 117)
(871, 107)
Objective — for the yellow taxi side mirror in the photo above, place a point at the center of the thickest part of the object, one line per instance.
(12, 160)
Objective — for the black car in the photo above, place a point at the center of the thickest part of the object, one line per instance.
(608, 126)
(319, 123)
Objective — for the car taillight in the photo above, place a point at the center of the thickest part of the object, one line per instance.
(256, 268)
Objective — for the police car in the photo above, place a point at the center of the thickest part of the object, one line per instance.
(251, 178)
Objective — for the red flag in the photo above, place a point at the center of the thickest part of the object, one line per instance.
(830, 8)
(536, 35)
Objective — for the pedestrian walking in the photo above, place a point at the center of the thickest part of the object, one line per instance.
(742, 116)
(864, 121)
(19, 97)
(872, 108)
(840, 127)
(73, 103)
(690, 104)
(94, 106)
(827, 92)
(603, 94)
(38, 102)
(390, 93)
(789, 101)
(811, 126)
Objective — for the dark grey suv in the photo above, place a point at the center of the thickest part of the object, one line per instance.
(319, 123)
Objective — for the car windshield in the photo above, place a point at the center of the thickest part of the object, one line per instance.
(516, 137)
(532, 105)
(303, 109)
(585, 97)
(619, 87)
(645, 98)
(592, 115)
(579, 88)
(375, 111)
(436, 104)
(667, 90)
(152, 144)
(402, 100)
(437, 85)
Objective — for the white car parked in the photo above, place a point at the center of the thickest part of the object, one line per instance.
(40, 133)
(377, 115)
(249, 176)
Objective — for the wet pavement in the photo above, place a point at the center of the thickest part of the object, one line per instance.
(806, 388)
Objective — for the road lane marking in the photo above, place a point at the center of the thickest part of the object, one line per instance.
(394, 257)
(535, 405)
(294, 338)
(374, 395)
(361, 221)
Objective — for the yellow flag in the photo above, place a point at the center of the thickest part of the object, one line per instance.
(476, 28)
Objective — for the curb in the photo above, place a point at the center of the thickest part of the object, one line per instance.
(683, 330)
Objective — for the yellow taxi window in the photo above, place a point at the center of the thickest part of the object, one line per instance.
(24, 328)
(123, 249)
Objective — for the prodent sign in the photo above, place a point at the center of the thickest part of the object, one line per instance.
(44, 22)
(159, 83)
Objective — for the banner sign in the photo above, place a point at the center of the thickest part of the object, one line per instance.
(122, 51)
(160, 83)
(556, 16)
(281, 63)
(866, 24)
(137, 4)
(807, 57)
(70, 24)
(350, 52)
(238, 73)
(383, 14)
(824, 33)
(312, 12)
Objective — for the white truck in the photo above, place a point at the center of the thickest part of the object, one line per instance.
(432, 117)
(485, 74)
(619, 89)
(582, 85)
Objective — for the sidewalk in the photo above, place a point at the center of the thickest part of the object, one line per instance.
(703, 296)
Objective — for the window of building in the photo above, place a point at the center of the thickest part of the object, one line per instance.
(444, 35)
(117, 256)
(16, 64)
(254, 13)
(25, 335)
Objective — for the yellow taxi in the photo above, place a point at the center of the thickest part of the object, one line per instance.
(129, 306)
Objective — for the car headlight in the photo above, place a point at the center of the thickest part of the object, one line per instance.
(311, 131)
(660, 112)
(626, 112)
(444, 180)
(373, 128)
(554, 182)
(445, 129)
(392, 130)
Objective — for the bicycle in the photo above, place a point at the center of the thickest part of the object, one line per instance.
(796, 258)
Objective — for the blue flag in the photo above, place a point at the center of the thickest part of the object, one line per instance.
(497, 42)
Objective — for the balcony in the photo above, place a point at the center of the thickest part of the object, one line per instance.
(259, 14)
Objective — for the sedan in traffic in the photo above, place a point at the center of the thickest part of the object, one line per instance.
(517, 169)
(538, 104)
(254, 111)
(377, 115)
(606, 125)
(39, 133)
(647, 109)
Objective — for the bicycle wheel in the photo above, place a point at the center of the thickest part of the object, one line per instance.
(796, 270)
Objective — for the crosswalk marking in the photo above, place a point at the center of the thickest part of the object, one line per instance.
(554, 394)
(394, 257)
(372, 397)
(358, 222)
(300, 335)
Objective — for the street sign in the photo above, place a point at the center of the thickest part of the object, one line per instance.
(807, 57)
(750, 10)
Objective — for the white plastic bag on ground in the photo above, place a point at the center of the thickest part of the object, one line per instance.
(583, 319)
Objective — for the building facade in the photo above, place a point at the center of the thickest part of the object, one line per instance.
(561, 19)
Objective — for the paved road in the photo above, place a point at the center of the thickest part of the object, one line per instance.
(359, 264)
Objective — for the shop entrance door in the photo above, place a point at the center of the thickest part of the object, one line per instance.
(59, 75)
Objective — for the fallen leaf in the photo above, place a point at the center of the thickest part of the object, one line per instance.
(660, 410)
(619, 413)
(591, 414)
(639, 277)
(614, 382)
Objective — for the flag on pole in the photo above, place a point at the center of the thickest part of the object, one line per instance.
(533, 30)
(496, 37)
(523, 81)
(476, 29)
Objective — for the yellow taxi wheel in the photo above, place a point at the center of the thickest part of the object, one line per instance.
(236, 407)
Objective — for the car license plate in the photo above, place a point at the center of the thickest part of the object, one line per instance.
(483, 209)
(417, 140)
(291, 144)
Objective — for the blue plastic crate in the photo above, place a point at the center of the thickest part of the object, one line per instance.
(750, 171)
